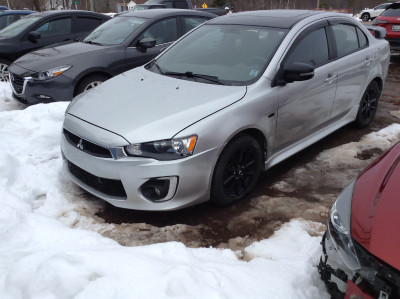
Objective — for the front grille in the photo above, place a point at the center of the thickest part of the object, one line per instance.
(87, 146)
(17, 82)
(106, 186)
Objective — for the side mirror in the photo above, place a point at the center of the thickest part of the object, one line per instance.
(297, 71)
(147, 42)
(33, 36)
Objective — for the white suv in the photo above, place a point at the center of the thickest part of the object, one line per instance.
(370, 14)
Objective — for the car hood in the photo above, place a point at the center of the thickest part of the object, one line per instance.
(375, 211)
(144, 106)
(48, 58)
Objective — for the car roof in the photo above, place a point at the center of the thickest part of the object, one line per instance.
(17, 12)
(165, 12)
(279, 18)
(67, 12)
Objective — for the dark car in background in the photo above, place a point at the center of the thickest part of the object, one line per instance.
(362, 243)
(125, 42)
(147, 6)
(43, 29)
(10, 16)
(390, 20)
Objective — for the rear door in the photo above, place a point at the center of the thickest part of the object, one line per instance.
(53, 31)
(354, 59)
(305, 106)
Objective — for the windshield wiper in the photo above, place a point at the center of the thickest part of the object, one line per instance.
(92, 43)
(213, 79)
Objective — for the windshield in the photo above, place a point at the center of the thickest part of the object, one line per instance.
(233, 54)
(17, 27)
(114, 31)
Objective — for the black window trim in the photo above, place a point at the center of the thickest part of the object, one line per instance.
(346, 22)
(307, 31)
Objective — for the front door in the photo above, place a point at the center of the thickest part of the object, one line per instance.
(305, 106)
(52, 32)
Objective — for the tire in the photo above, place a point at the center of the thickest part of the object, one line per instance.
(4, 70)
(89, 82)
(368, 105)
(237, 171)
(365, 17)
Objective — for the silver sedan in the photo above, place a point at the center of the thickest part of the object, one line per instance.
(230, 99)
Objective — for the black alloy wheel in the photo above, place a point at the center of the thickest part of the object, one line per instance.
(237, 171)
(368, 105)
(365, 17)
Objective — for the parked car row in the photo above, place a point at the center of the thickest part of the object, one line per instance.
(38, 30)
(126, 41)
(234, 97)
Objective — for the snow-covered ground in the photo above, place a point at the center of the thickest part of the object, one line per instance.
(53, 246)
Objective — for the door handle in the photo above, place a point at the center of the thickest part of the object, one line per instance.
(330, 77)
(368, 60)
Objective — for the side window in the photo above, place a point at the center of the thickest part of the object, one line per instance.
(163, 31)
(86, 24)
(362, 39)
(312, 49)
(346, 38)
(181, 4)
(168, 4)
(192, 22)
(55, 28)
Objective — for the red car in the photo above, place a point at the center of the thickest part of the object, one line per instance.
(390, 20)
(361, 247)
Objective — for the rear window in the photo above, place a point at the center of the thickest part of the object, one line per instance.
(393, 11)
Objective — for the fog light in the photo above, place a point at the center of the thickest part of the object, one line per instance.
(159, 189)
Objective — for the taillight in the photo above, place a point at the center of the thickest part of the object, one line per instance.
(379, 22)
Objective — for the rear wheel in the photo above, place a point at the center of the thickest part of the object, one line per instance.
(368, 105)
(237, 171)
(4, 70)
(365, 17)
(90, 82)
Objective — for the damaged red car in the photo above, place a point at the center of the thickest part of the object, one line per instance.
(361, 247)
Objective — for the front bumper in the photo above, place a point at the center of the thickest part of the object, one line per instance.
(373, 280)
(193, 173)
(28, 91)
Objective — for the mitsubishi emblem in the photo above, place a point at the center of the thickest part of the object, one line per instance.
(80, 145)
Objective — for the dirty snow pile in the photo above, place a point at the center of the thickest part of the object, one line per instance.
(45, 254)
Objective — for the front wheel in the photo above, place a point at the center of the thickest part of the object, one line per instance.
(237, 171)
(368, 105)
(89, 83)
(4, 70)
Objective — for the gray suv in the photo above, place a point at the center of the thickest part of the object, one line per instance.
(232, 98)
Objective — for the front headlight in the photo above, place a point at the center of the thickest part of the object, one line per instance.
(340, 230)
(171, 149)
(52, 73)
